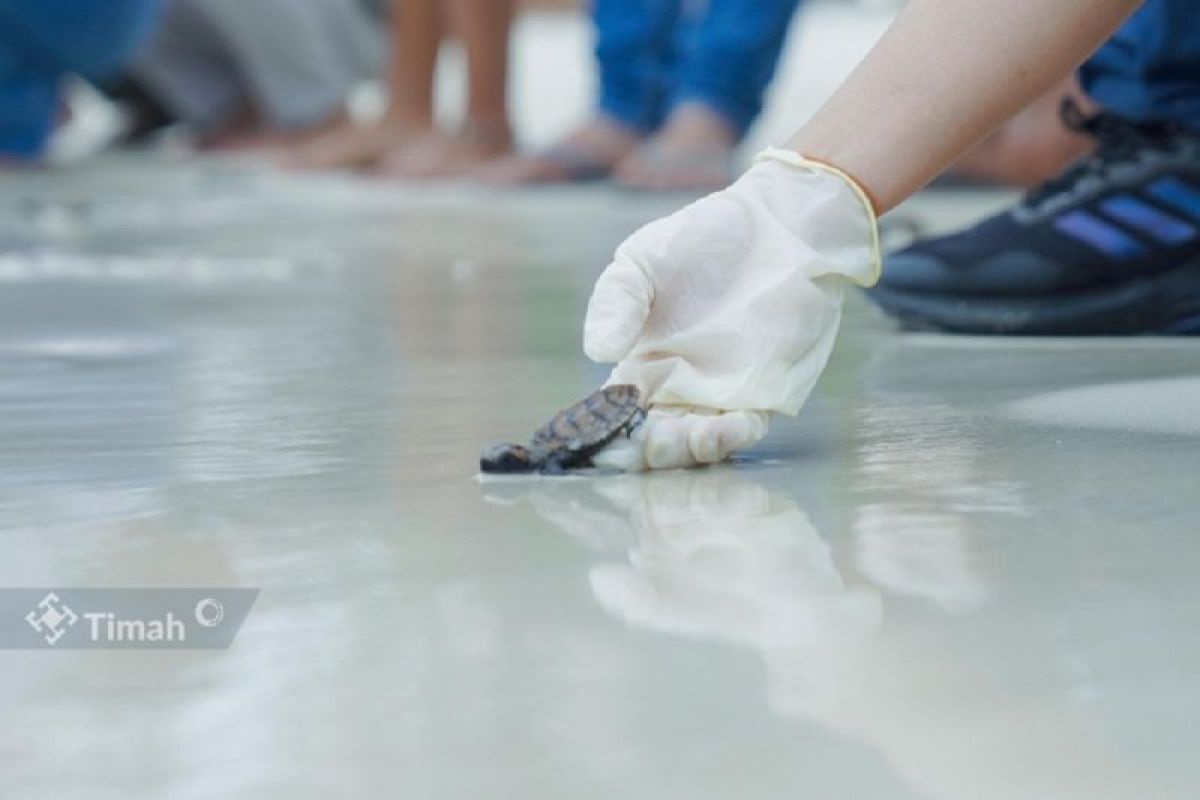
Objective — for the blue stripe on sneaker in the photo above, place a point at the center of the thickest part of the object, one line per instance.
(1099, 235)
(1176, 194)
(1148, 219)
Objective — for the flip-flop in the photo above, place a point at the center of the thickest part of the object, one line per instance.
(577, 164)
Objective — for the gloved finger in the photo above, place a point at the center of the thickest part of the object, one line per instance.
(629, 453)
(714, 438)
(625, 454)
(667, 441)
(704, 440)
(675, 438)
(617, 310)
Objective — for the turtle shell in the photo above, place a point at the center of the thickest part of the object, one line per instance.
(577, 432)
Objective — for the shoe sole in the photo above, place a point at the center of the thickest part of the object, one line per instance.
(1164, 304)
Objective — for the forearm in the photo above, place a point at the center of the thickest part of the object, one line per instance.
(945, 75)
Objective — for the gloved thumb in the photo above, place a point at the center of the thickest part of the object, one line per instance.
(619, 306)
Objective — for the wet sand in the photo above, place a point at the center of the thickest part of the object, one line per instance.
(966, 570)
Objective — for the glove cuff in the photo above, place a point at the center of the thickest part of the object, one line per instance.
(793, 159)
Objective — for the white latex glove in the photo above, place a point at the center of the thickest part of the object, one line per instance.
(727, 310)
(672, 437)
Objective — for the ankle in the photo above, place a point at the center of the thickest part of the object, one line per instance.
(699, 123)
(606, 135)
(489, 131)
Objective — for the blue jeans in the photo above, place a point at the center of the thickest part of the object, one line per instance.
(1150, 70)
(40, 41)
(655, 54)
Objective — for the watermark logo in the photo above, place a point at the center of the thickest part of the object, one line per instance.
(210, 612)
(91, 619)
(51, 618)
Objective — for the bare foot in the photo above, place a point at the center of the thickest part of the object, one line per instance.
(1032, 146)
(246, 133)
(692, 151)
(440, 155)
(590, 152)
(355, 146)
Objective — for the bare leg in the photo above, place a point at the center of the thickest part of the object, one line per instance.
(483, 26)
(879, 125)
(416, 33)
(1032, 146)
(727, 53)
(592, 150)
(633, 39)
(692, 151)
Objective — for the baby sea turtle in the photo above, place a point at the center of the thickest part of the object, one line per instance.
(573, 436)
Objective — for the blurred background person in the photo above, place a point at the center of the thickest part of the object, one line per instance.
(408, 141)
(1109, 245)
(41, 42)
(680, 84)
(267, 73)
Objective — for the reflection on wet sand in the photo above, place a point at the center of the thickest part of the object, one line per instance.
(715, 556)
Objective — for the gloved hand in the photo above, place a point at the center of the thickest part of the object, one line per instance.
(727, 310)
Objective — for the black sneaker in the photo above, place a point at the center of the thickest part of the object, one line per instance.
(1112, 246)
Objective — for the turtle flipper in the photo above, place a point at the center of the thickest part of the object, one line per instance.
(639, 416)
(554, 465)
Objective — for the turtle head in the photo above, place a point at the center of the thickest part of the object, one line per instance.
(508, 458)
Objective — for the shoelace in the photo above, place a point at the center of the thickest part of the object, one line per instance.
(1117, 139)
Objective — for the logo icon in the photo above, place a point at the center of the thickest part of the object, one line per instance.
(209, 612)
(51, 618)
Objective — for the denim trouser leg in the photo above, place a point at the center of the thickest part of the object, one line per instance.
(1150, 69)
(28, 97)
(730, 54)
(40, 40)
(633, 43)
